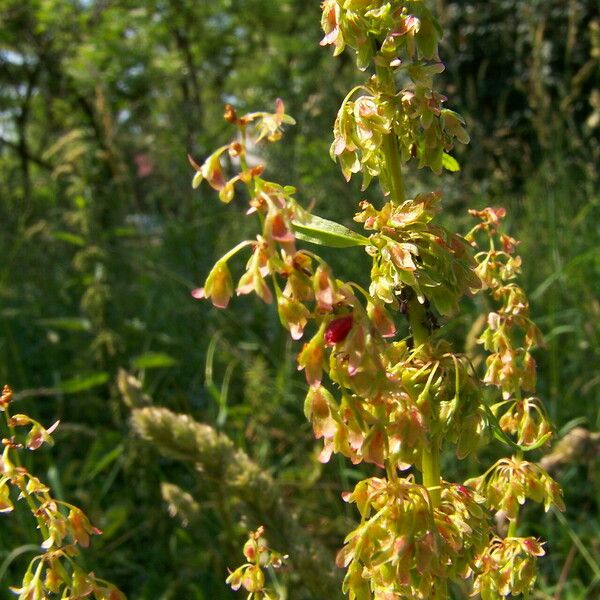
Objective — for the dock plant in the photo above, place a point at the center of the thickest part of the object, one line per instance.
(58, 570)
(373, 396)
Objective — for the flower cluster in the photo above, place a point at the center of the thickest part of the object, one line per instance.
(397, 27)
(510, 335)
(410, 251)
(507, 568)
(424, 130)
(401, 38)
(511, 481)
(63, 526)
(250, 575)
(374, 398)
(404, 544)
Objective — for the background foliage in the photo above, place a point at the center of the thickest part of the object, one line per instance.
(103, 238)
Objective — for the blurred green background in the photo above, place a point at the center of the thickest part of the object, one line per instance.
(102, 239)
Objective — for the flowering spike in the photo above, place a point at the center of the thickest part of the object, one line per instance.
(399, 403)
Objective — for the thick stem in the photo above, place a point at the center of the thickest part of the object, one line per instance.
(432, 479)
(512, 528)
(416, 316)
(430, 460)
(394, 166)
(393, 162)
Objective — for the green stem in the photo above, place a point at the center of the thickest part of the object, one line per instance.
(432, 479)
(244, 161)
(391, 152)
(514, 523)
(417, 318)
(430, 460)
(394, 166)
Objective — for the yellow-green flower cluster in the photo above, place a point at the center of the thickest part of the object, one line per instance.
(65, 528)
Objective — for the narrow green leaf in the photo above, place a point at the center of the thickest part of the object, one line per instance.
(153, 360)
(83, 382)
(323, 232)
(104, 462)
(450, 163)
(70, 238)
(66, 323)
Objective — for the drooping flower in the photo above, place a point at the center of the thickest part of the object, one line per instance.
(312, 357)
(218, 286)
(324, 287)
(293, 316)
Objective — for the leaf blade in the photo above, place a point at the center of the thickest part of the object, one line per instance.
(323, 232)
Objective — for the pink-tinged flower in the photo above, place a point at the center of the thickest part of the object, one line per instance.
(373, 448)
(269, 125)
(253, 281)
(6, 397)
(257, 269)
(409, 25)
(277, 228)
(81, 528)
(293, 315)
(509, 244)
(331, 27)
(253, 579)
(53, 579)
(402, 256)
(324, 287)
(338, 329)
(211, 170)
(32, 587)
(218, 286)
(235, 578)
(382, 319)
(311, 359)
(317, 408)
(38, 435)
(109, 593)
(250, 549)
(298, 270)
(355, 347)
(532, 546)
(327, 451)
(82, 583)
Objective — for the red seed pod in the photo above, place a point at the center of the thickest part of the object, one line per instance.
(337, 331)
